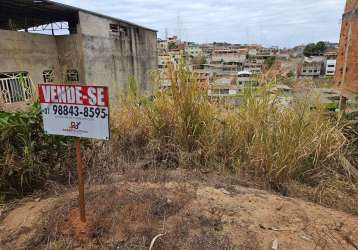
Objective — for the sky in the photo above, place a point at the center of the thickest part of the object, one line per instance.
(283, 23)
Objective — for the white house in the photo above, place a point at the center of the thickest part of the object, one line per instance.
(331, 67)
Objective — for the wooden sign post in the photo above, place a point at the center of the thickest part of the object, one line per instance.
(81, 181)
(79, 111)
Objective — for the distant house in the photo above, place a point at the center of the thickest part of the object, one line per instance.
(244, 77)
(280, 88)
(163, 60)
(193, 50)
(228, 56)
(331, 67)
(312, 67)
(283, 54)
(331, 58)
(331, 53)
(253, 67)
(162, 45)
(223, 88)
(175, 55)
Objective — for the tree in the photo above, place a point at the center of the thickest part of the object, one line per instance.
(315, 49)
(172, 46)
(321, 47)
(270, 61)
(309, 49)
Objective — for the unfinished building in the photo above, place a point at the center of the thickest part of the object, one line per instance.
(44, 41)
(347, 60)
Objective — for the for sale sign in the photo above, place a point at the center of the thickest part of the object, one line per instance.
(75, 110)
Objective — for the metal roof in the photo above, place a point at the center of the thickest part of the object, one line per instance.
(30, 13)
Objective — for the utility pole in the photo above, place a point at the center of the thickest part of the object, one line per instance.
(179, 27)
(166, 33)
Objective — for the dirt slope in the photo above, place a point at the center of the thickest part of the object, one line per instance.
(187, 215)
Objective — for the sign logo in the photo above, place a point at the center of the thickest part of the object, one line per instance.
(75, 125)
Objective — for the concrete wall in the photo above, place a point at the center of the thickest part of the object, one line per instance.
(350, 4)
(34, 53)
(99, 57)
(109, 60)
(70, 56)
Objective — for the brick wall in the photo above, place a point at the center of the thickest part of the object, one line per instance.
(350, 83)
(349, 5)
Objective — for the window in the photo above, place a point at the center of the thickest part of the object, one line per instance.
(224, 91)
(117, 30)
(72, 75)
(15, 87)
(304, 71)
(331, 66)
(48, 76)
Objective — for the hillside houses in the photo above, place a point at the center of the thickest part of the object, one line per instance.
(240, 64)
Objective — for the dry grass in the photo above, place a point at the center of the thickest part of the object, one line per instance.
(259, 137)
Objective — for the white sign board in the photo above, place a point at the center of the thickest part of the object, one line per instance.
(75, 110)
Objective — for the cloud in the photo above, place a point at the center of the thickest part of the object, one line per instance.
(271, 22)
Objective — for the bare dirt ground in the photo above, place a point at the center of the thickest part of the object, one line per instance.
(179, 212)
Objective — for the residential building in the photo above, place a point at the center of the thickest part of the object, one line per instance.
(331, 67)
(310, 70)
(283, 54)
(207, 50)
(163, 60)
(228, 56)
(193, 50)
(44, 41)
(173, 43)
(264, 53)
(223, 87)
(330, 53)
(203, 76)
(176, 55)
(162, 45)
(347, 63)
(244, 77)
(253, 66)
(312, 67)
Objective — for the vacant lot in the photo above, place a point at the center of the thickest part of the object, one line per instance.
(183, 210)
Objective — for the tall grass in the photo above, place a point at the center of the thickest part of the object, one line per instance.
(183, 126)
(260, 136)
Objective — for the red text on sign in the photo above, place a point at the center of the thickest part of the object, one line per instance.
(71, 94)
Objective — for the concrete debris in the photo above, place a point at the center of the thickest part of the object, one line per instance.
(224, 191)
(274, 245)
(304, 237)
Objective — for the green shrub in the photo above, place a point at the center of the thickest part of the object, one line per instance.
(28, 157)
